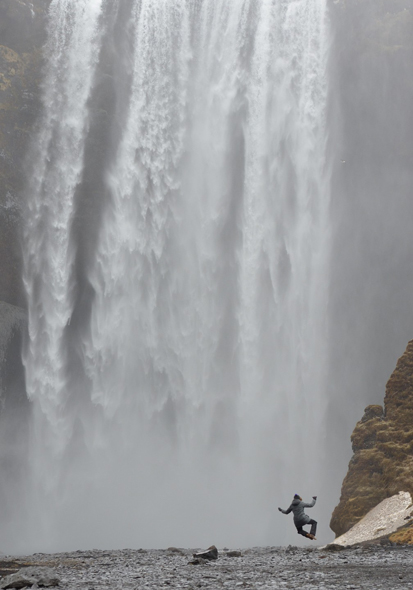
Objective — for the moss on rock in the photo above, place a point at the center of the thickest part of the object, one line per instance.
(403, 536)
(382, 464)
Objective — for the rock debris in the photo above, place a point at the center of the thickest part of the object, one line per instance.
(361, 567)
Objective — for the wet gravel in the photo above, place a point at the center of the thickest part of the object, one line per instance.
(363, 567)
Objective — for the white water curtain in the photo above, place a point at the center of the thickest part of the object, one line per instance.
(193, 395)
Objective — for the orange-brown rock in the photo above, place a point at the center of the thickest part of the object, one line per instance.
(382, 442)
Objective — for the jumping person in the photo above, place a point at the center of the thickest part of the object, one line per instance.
(300, 518)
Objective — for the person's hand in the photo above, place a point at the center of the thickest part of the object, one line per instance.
(314, 497)
(280, 509)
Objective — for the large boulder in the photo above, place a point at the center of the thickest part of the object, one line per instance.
(210, 553)
(382, 445)
(40, 577)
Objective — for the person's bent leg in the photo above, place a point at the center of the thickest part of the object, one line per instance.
(313, 527)
(300, 531)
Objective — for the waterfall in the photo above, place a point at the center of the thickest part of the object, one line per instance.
(176, 252)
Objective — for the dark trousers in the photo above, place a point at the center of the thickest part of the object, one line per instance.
(300, 530)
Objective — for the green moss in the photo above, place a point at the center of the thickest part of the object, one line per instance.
(403, 536)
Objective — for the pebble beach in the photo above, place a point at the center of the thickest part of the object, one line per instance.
(362, 567)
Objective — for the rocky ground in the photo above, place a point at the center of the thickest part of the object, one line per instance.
(361, 567)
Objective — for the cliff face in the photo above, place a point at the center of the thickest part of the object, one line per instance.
(22, 34)
(382, 441)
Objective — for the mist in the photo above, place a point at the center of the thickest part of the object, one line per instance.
(371, 207)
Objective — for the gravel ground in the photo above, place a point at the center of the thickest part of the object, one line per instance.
(364, 567)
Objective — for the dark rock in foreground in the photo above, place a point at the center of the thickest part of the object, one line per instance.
(210, 553)
(41, 577)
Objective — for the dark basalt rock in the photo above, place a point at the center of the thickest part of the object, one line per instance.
(210, 553)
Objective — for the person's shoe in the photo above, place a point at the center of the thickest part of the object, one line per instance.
(312, 537)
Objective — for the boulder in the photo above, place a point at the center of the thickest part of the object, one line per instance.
(27, 577)
(210, 553)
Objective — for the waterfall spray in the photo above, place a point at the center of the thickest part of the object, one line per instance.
(193, 387)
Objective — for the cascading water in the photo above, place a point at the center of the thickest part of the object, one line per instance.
(177, 338)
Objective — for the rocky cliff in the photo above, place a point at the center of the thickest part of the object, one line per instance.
(22, 34)
(382, 464)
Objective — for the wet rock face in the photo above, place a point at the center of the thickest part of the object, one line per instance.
(383, 450)
(22, 23)
(22, 35)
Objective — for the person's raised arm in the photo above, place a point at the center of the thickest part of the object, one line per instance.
(312, 503)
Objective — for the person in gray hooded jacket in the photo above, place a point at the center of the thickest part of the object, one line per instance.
(300, 517)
